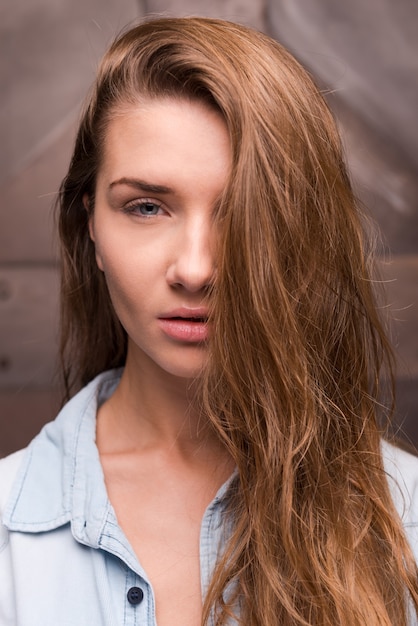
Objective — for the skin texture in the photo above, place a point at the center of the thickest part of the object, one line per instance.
(161, 261)
(155, 243)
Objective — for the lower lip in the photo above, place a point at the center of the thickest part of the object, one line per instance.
(185, 330)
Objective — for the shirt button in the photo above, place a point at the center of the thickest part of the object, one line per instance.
(135, 595)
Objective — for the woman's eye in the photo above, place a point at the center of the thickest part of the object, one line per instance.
(148, 208)
(145, 208)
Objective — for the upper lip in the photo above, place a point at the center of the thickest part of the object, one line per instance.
(198, 313)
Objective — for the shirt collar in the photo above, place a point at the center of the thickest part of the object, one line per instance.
(61, 480)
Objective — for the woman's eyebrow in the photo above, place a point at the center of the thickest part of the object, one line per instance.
(142, 185)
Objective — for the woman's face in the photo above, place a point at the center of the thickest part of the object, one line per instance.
(165, 166)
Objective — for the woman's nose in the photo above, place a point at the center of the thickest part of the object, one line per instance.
(192, 265)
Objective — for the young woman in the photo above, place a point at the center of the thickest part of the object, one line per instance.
(223, 462)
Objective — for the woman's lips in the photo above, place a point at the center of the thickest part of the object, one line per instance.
(189, 326)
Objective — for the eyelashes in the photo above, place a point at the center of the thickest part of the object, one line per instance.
(144, 208)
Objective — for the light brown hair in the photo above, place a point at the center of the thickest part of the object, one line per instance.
(292, 382)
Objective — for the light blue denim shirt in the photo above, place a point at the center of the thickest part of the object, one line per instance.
(64, 560)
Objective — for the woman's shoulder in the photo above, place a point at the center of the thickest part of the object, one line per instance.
(402, 474)
(48, 460)
(9, 467)
(402, 470)
(400, 455)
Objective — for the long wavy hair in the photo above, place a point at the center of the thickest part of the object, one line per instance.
(292, 380)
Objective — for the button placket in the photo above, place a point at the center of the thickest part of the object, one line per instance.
(139, 605)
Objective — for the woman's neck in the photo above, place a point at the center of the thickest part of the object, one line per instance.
(151, 408)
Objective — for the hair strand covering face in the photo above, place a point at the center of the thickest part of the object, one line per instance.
(292, 382)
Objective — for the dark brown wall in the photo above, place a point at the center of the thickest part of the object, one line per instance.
(366, 53)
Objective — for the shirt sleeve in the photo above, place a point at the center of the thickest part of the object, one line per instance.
(402, 473)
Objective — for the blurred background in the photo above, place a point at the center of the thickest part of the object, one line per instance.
(364, 54)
